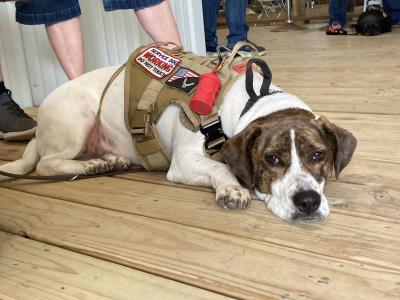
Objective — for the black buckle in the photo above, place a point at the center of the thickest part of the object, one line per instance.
(214, 136)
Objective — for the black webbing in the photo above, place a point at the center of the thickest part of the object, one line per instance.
(267, 78)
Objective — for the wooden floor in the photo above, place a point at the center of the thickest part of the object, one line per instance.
(139, 237)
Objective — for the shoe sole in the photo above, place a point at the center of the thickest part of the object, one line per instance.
(18, 136)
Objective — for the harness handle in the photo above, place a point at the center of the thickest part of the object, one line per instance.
(264, 90)
(177, 48)
(267, 78)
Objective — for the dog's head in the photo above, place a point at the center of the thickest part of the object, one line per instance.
(286, 158)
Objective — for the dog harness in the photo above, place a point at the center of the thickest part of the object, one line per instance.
(156, 77)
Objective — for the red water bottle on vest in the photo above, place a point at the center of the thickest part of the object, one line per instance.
(203, 99)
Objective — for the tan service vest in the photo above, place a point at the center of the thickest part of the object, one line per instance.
(147, 92)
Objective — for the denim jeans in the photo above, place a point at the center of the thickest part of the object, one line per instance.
(235, 13)
(338, 9)
(392, 7)
(34, 12)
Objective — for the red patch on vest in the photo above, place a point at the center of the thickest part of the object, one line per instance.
(241, 67)
(157, 62)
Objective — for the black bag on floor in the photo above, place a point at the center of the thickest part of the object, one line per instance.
(373, 22)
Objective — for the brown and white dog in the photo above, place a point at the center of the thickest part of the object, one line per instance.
(279, 148)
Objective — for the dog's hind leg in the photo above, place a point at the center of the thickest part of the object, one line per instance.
(24, 165)
(105, 163)
(60, 166)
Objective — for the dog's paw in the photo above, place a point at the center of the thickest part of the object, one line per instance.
(117, 162)
(122, 163)
(232, 197)
(96, 166)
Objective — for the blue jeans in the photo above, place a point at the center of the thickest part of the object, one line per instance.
(392, 7)
(338, 9)
(36, 12)
(235, 13)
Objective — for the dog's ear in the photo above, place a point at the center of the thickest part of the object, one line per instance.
(344, 144)
(237, 154)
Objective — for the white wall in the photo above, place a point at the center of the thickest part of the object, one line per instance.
(31, 70)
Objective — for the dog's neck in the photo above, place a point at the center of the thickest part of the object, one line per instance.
(236, 98)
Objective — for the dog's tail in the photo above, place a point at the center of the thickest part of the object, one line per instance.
(25, 165)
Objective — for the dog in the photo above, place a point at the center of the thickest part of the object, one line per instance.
(374, 21)
(279, 148)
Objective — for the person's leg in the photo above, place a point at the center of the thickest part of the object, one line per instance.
(210, 15)
(63, 28)
(67, 42)
(155, 16)
(235, 12)
(392, 7)
(338, 12)
(164, 29)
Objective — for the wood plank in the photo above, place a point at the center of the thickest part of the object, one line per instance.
(328, 97)
(333, 77)
(10, 151)
(231, 265)
(331, 73)
(378, 136)
(364, 171)
(380, 208)
(314, 44)
(33, 270)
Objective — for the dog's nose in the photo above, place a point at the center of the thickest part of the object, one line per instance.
(307, 201)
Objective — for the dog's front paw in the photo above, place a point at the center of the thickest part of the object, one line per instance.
(233, 196)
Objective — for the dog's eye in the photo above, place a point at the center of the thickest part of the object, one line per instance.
(272, 160)
(317, 156)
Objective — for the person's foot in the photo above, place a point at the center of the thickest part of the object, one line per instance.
(15, 124)
(216, 51)
(336, 29)
(246, 50)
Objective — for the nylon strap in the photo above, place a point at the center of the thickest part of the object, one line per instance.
(267, 79)
(103, 94)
